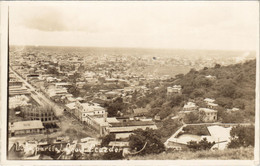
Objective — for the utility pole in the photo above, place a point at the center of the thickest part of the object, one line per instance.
(218, 143)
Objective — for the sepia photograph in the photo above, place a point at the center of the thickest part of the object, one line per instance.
(130, 81)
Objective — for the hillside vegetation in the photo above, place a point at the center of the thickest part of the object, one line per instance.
(228, 154)
(234, 86)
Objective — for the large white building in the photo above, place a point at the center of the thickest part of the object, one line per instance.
(83, 110)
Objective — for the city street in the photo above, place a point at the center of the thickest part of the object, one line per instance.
(39, 97)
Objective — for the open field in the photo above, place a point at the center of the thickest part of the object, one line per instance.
(229, 154)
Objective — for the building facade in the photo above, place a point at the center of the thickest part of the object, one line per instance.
(25, 127)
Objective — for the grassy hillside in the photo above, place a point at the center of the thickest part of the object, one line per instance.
(229, 154)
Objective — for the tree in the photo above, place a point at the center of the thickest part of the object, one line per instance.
(107, 139)
(74, 91)
(192, 117)
(168, 127)
(228, 89)
(224, 102)
(239, 103)
(165, 112)
(17, 109)
(146, 142)
(217, 66)
(52, 70)
(192, 71)
(157, 103)
(115, 106)
(187, 90)
(201, 81)
(175, 100)
(179, 76)
(81, 68)
(197, 93)
(242, 136)
(154, 111)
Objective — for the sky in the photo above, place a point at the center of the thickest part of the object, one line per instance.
(228, 25)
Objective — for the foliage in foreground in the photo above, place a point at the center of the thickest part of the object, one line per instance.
(201, 145)
(146, 141)
(228, 154)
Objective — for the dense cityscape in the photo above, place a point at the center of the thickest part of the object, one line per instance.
(126, 82)
(119, 103)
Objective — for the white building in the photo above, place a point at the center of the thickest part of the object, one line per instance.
(83, 110)
(190, 106)
(210, 114)
(174, 89)
(208, 100)
(210, 77)
(18, 100)
(210, 103)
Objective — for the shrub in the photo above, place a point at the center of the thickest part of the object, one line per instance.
(202, 145)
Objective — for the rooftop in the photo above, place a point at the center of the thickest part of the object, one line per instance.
(213, 104)
(209, 100)
(189, 105)
(26, 125)
(133, 123)
(207, 110)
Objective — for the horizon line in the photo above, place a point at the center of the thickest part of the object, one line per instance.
(126, 47)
